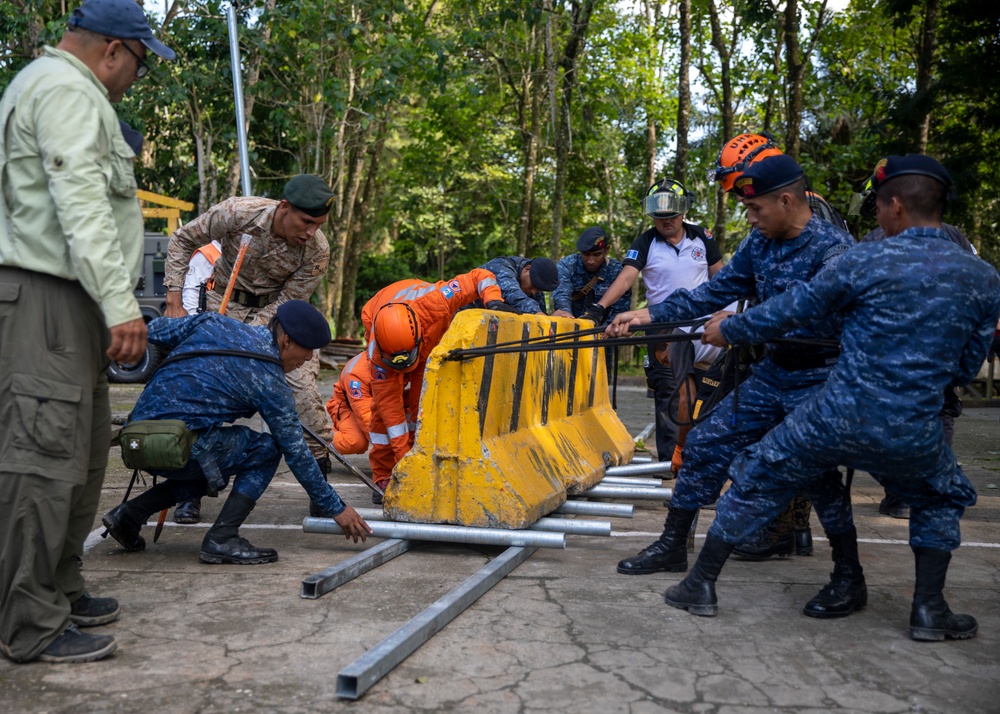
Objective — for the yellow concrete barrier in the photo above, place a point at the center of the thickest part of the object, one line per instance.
(502, 439)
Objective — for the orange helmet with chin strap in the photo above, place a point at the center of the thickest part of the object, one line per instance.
(397, 334)
(738, 154)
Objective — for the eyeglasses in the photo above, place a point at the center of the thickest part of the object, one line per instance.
(142, 69)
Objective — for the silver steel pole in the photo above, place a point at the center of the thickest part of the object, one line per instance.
(630, 492)
(554, 525)
(658, 467)
(446, 534)
(361, 674)
(601, 510)
(629, 481)
(241, 120)
(641, 460)
(321, 583)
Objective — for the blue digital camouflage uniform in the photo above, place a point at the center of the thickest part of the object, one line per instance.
(878, 410)
(573, 276)
(766, 268)
(507, 270)
(208, 392)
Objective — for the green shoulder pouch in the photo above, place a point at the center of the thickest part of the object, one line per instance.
(162, 444)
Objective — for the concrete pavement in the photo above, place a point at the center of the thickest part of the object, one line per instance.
(563, 633)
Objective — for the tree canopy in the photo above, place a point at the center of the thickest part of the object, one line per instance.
(453, 131)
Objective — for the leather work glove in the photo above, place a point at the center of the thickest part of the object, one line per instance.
(501, 306)
(677, 460)
(595, 313)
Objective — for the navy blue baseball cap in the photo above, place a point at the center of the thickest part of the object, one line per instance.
(892, 166)
(304, 324)
(122, 19)
(132, 137)
(593, 238)
(768, 175)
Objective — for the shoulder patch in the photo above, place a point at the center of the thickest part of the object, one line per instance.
(632, 255)
(708, 234)
(378, 372)
(834, 252)
(355, 392)
(455, 286)
(446, 291)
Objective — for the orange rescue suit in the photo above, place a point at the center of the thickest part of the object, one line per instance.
(434, 305)
(350, 407)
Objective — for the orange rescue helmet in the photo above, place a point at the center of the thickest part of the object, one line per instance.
(738, 154)
(397, 334)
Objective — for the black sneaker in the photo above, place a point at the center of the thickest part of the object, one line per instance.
(90, 611)
(376, 498)
(893, 507)
(74, 646)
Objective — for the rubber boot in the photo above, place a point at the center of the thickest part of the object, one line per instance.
(324, 468)
(931, 620)
(377, 497)
(774, 539)
(846, 591)
(669, 553)
(801, 508)
(696, 592)
(125, 520)
(223, 544)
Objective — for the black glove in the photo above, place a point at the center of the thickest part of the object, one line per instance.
(595, 313)
(501, 306)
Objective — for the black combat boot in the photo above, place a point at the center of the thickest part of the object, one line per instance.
(801, 508)
(931, 620)
(125, 520)
(669, 553)
(773, 539)
(696, 592)
(846, 591)
(223, 544)
(893, 507)
(325, 466)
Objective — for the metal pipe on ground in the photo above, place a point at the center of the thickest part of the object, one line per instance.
(445, 534)
(553, 525)
(630, 492)
(361, 674)
(601, 510)
(629, 481)
(650, 469)
(641, 460)
(321, 583)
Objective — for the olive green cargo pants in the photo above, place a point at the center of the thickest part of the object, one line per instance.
(56, 430)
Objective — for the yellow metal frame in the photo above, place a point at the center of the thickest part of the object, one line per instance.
(169, 208)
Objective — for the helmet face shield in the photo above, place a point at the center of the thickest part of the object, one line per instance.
(863, 203)
(665, 204)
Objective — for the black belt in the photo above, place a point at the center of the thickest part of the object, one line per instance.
(246, 298)
(795, 361)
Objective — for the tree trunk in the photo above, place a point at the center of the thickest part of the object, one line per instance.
(564, 136)
(925, 75)
(683, 91)
(358, 242)
(726, 109)
(795, 67)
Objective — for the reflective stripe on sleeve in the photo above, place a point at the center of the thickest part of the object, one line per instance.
(485, 283)
(378, 438)
(397, 430)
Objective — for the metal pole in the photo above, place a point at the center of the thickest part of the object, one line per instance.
(651, 494)
(601, 510)
(641, 460)
(445, 534)
(629, 481)
(658, 467)
(361, 674)
(553, 525)
(321, 583)
(241, 120)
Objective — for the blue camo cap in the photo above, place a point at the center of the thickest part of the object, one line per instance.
(919, 164)
(304, 324)
(768, 175)
(122, 19)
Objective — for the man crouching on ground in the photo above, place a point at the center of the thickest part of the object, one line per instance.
(213, 389)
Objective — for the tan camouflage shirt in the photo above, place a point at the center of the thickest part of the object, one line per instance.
(271, 264)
